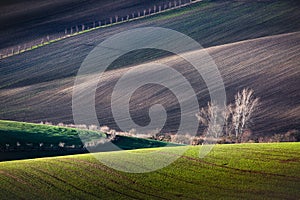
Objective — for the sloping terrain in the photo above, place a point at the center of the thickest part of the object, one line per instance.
(26, 140)
(22, 133)
(27, 21)
(268, 65)
(204, 22)
(254, 43)
(37, 85)
(241, 171)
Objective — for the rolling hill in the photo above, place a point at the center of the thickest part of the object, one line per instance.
(28, 22)
(254, 43)
(268, 65)
(241, 171)
(21, 140)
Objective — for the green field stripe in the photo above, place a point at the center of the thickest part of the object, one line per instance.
(114, 177)
(203, 161)
(76, 190)
(174, 178)
(189, 177)
(29, 136)
(7, 194)
(84, 174)
(136, 182)
(17, 186)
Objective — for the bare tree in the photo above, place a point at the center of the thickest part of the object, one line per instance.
(210, 118)
(227, 115)
(235, 117)
(244, 107)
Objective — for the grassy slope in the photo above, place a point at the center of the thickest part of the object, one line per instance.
(246, 171)
(26, 133)
(13, 132)
(41, 80)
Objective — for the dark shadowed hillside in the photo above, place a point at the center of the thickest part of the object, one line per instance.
(269, 66)
(37, 85)
(26, 21)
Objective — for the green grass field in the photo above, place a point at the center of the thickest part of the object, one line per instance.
(244, 171)
(12, 132)
(29, 136)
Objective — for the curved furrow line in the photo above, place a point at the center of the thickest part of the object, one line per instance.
(22, 181)
(216, 186)
(112, 172)
(16, 186)
(269, 67)
(5, 173)
(236, 169)
(77, 188)
(63, 181)
(193, 182)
